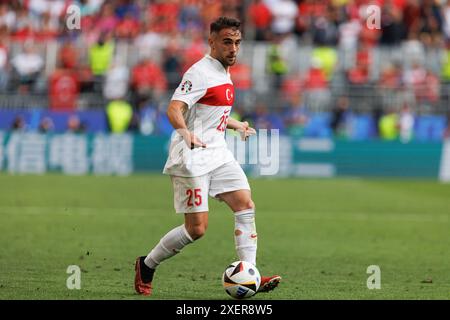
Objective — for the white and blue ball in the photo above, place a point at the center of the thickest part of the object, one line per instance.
(241, 280)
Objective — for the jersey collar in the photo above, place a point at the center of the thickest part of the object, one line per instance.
(217, 64)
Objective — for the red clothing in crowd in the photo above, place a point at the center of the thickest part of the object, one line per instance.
(63, 90)
(148, 75)
(241, 75)
(260, 15)
(315, 79)
(164, 16)
(128, 28)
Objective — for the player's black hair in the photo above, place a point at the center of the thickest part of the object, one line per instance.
(223, 23)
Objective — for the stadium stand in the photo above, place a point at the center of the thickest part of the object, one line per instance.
(320, 49)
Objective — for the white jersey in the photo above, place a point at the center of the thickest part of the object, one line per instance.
(209, 93)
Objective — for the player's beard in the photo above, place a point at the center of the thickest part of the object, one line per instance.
(229, 61)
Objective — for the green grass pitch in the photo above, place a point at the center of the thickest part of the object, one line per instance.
(320, 235)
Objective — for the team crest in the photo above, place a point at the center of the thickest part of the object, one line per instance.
(186, 86)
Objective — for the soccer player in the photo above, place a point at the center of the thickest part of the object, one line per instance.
(199, 162)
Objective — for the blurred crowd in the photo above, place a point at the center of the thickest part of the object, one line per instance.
(170, 35)
(326, 21)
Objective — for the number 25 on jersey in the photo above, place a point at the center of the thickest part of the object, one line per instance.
(223, 121)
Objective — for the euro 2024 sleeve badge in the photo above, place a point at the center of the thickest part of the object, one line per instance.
(186, 86)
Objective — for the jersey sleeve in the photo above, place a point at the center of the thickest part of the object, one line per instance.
(191, 89)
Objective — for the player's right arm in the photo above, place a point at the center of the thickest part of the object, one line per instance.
(175, 115)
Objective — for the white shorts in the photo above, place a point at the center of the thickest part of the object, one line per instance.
(191, 193)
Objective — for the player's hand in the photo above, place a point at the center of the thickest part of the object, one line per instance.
(196, 142)
(246, 131)
(191, 139)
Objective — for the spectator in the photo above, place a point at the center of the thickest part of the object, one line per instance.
(447, 128)
(325, 30)
(190, 15)
(116, 81)
(172, 66)
(68, 55)
(74, 124)
(406, 124)
(119, 114)
(284, 13)
(327, 59)
(28, 66)
(89, 7)
(317, 93)
(340, 117)
(241, 75)
(296, 117)
(46, 125)
(432, 21)
(23, 28)
(445, 72)
(391, 77)
(7, 17)
(260, 19)
(391, 85)
(127, 8)
(392, 28)
(49, 28)
(148, 82)
(149, 42)
(128, 27)
(194, 51)
(164, 15)
(107, 20)
(4, 67)
(18, 124)
(100, 57)
(432, 88)
(412, 16)
(277, 63)
(147, 120)
(63, 90)
(388, 125)
(262, 119)
(360, 73)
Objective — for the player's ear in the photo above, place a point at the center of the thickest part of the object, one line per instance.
(211, 39)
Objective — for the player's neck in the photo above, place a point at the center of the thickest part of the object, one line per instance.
(226, 67)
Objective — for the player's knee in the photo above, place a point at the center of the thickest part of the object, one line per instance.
(197, 231)
(250, 204)
(247, 204)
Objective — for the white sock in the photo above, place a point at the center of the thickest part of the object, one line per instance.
(245, 235)
(168, 246)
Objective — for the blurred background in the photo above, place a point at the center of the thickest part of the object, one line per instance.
(348, 99)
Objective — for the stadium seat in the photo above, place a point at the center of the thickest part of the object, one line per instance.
(430, 128)
(362, 127)
(318, 126)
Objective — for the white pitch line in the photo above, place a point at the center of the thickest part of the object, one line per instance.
(387, 217)
(71, 210)
(341, 216)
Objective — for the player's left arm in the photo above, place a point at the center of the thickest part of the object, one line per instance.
(242, 127)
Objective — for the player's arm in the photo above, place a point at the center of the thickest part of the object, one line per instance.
(175, 115)
(242, 127)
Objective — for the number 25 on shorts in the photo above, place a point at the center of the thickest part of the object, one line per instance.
(194, 195)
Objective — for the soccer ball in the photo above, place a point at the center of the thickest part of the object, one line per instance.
(241, 280)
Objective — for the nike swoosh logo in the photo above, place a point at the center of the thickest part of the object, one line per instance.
(253, 236)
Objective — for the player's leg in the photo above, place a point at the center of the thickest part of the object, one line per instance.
(188, 198)
(229, 184)
(176, 239)
(245, 235)
(169, 245)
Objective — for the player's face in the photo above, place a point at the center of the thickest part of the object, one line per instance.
(225, 46)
